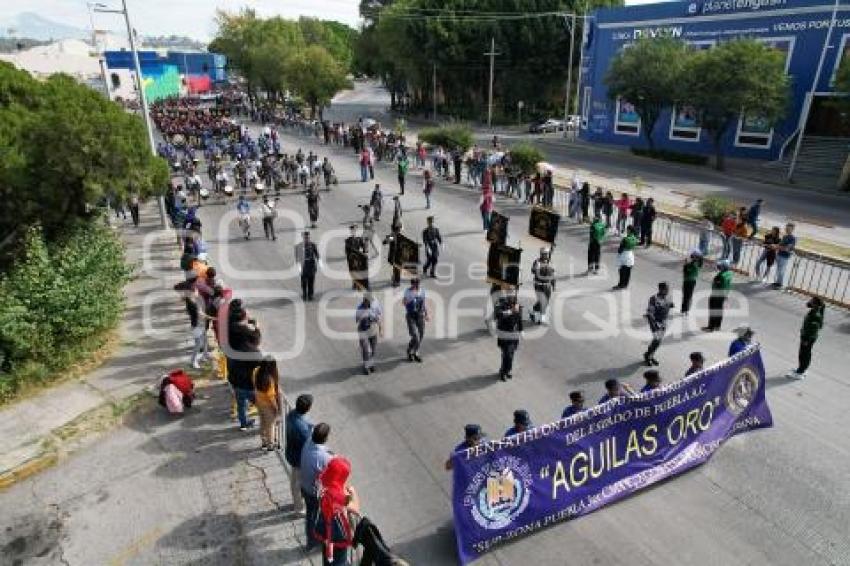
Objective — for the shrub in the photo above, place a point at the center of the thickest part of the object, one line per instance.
(59, 301)
(449, 136)
(715, 208)
(674, 156)
(526, 157)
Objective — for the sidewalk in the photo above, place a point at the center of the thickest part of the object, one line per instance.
(31, 430)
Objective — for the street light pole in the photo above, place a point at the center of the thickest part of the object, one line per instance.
(492, 54)
(569, 73)
(807, 102)
(580, 63)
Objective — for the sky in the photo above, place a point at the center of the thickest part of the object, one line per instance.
(193, 18)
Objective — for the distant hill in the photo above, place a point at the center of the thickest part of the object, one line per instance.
(32, 26)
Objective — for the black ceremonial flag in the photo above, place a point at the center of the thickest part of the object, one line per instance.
(358, 267)
(404, 253)
(498, 232)
(503, 265)
(543, 224)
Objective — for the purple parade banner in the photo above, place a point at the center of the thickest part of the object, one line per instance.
(507, 488)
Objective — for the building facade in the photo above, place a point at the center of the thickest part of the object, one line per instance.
(798, 28)
(164, 74)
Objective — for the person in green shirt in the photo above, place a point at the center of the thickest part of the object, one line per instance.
(402, 171)
(812, 323)
(690, 274)
(626, 258)
(720, 286)
(594, 246)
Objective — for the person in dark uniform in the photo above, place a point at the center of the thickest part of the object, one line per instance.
(576, 404)
(416, 313)
(457, 161)
(472, 437)
(376, 202)
(312, 194)
(522, 422)
(307, 258)
(397, 214)
(690, 276)
(356, 243)
(647, 220)
(392, 241)
(509, 327)
(657, 313)
(544, 284)
(812, 325)
(720, 286)
(433, 242)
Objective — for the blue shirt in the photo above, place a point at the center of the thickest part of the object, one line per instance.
(243, 207)
(513, 430)
(570, 411)
(789, 241)
(314, 459)
(298, 431)
(648, 387)
(414, 301)
(737, 346)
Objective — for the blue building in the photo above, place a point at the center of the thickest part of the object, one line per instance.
(164, 74)
(798, 28)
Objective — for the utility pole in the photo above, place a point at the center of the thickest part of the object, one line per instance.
(580, 63)
(807, 102)
(569, 72)
(492, 55)
(434, 93)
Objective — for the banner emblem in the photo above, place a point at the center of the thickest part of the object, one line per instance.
(742, 390)
(499, 493)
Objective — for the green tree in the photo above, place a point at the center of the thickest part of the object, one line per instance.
(648, 74)
(741, 76)
(316, 77)
(65, 147)
(526, 157)
(449, 136)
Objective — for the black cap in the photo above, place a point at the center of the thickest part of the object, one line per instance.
(576, 396)
(652, 376)
(472, 430)
(521, 417)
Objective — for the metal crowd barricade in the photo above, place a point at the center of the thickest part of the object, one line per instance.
(808, 273)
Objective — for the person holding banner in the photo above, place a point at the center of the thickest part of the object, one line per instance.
(433, 243)
(576, 404)
(697, 363)
(509, 329)
(614, 389)
(472, 438)
(598, 230)
(626, 258)
(657, 313)
(416, 313)
(522, 422)
(653, 380)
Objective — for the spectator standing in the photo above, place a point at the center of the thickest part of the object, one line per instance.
(812, 323)
(647, 220)
(737, 240)
(339, 503)
(298, 431)
(727, 228)
(784, 253)
(767, 258)
(753, 216)
(314, 459)
(267, 388)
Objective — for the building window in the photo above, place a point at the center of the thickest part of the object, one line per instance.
(753, 130)
(683, 123)
(115, 80)
(626, 119)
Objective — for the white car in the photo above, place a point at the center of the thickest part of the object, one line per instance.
(550, 125)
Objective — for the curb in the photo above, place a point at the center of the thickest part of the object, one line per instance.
(28, 469)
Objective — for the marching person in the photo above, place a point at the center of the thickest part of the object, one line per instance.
(653, 380)
(720, 286)
(697, 363)
(522, 422)
(433, 243)
(427, 188)
(509, 328)
(812, 323)
(742, 342)
(576, 404)
(268, 218)
(690, 275)
(657, 313)
(402, 166)
(355, 243)
(369, 318)
(328, 172)
(472, 437)
(615, 389)
(544, 284)
(598, 229)
(416, 313)
(376, 202)
(397, 214)
(308, 260)
(626, 258)
(392, 240)
(312, 194)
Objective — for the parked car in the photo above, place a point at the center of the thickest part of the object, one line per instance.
(546, 126)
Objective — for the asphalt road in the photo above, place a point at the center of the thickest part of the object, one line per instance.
(774, 497)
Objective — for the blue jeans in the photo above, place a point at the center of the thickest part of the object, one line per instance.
(781, 264)
(485, 219)
(242, 398)
(311, 508)
(364, 173)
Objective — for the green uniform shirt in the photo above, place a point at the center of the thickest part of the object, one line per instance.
(402, 168)
(691, 270)
(628, 243)
(812, 325)
(722, 281)
(597, 231)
